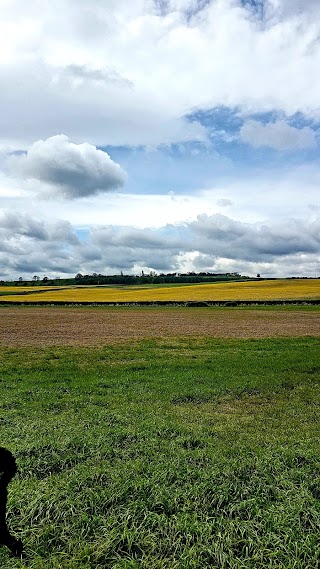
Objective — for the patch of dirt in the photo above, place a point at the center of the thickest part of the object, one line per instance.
(54, 326)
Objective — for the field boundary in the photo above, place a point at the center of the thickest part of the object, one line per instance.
(189, 303)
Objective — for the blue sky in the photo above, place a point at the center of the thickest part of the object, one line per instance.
(187, 167)
(165, 135)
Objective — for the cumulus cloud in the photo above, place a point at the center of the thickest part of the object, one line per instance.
(34, 246)
(17, 227)
(225, 237)
(22, 225)
(77, 170)
(278, 135)
(215, 243)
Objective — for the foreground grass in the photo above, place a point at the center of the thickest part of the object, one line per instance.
(165, 454)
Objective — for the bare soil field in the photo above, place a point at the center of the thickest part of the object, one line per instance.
(54, 326)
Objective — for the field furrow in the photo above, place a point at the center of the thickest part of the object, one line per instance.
(41, 326)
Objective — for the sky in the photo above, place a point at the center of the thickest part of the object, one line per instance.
(159, 135)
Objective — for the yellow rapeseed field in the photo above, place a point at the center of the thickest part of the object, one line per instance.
(17, 289)
(291, 289)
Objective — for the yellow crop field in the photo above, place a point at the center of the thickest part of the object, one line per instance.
(20, 289)
(253, 290)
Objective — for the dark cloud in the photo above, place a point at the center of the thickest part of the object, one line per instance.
(34, 246)
(17, 226)
(76, 170)
(215, 243)
(221, 236)
(169, 237)
(22, 225)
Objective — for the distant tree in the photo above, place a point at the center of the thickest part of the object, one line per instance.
(45, 279)
(258, 276)
(35, 278)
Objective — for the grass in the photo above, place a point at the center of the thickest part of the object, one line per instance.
(280, 289)
(165, 454)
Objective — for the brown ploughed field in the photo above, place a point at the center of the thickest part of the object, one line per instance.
(54, 326)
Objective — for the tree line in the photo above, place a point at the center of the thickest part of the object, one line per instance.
(122, 279)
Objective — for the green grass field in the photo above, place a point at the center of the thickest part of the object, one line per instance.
(164, 454)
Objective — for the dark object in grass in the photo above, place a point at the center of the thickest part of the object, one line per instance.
(8, 468)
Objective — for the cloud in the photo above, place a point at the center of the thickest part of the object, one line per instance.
(104, 112)
(222, 236)
(76, 170)
(215, 243)
(54, 76)
(293, 8)
(32, 246)
(224, 202)
(278, 135)
(82, 73)
(17, 227)
(22, 225)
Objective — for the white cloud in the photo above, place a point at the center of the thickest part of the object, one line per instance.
(120, 73)
(292, 8)
(224, 202)
(278, 135)
(257, 196)
(77, 170)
